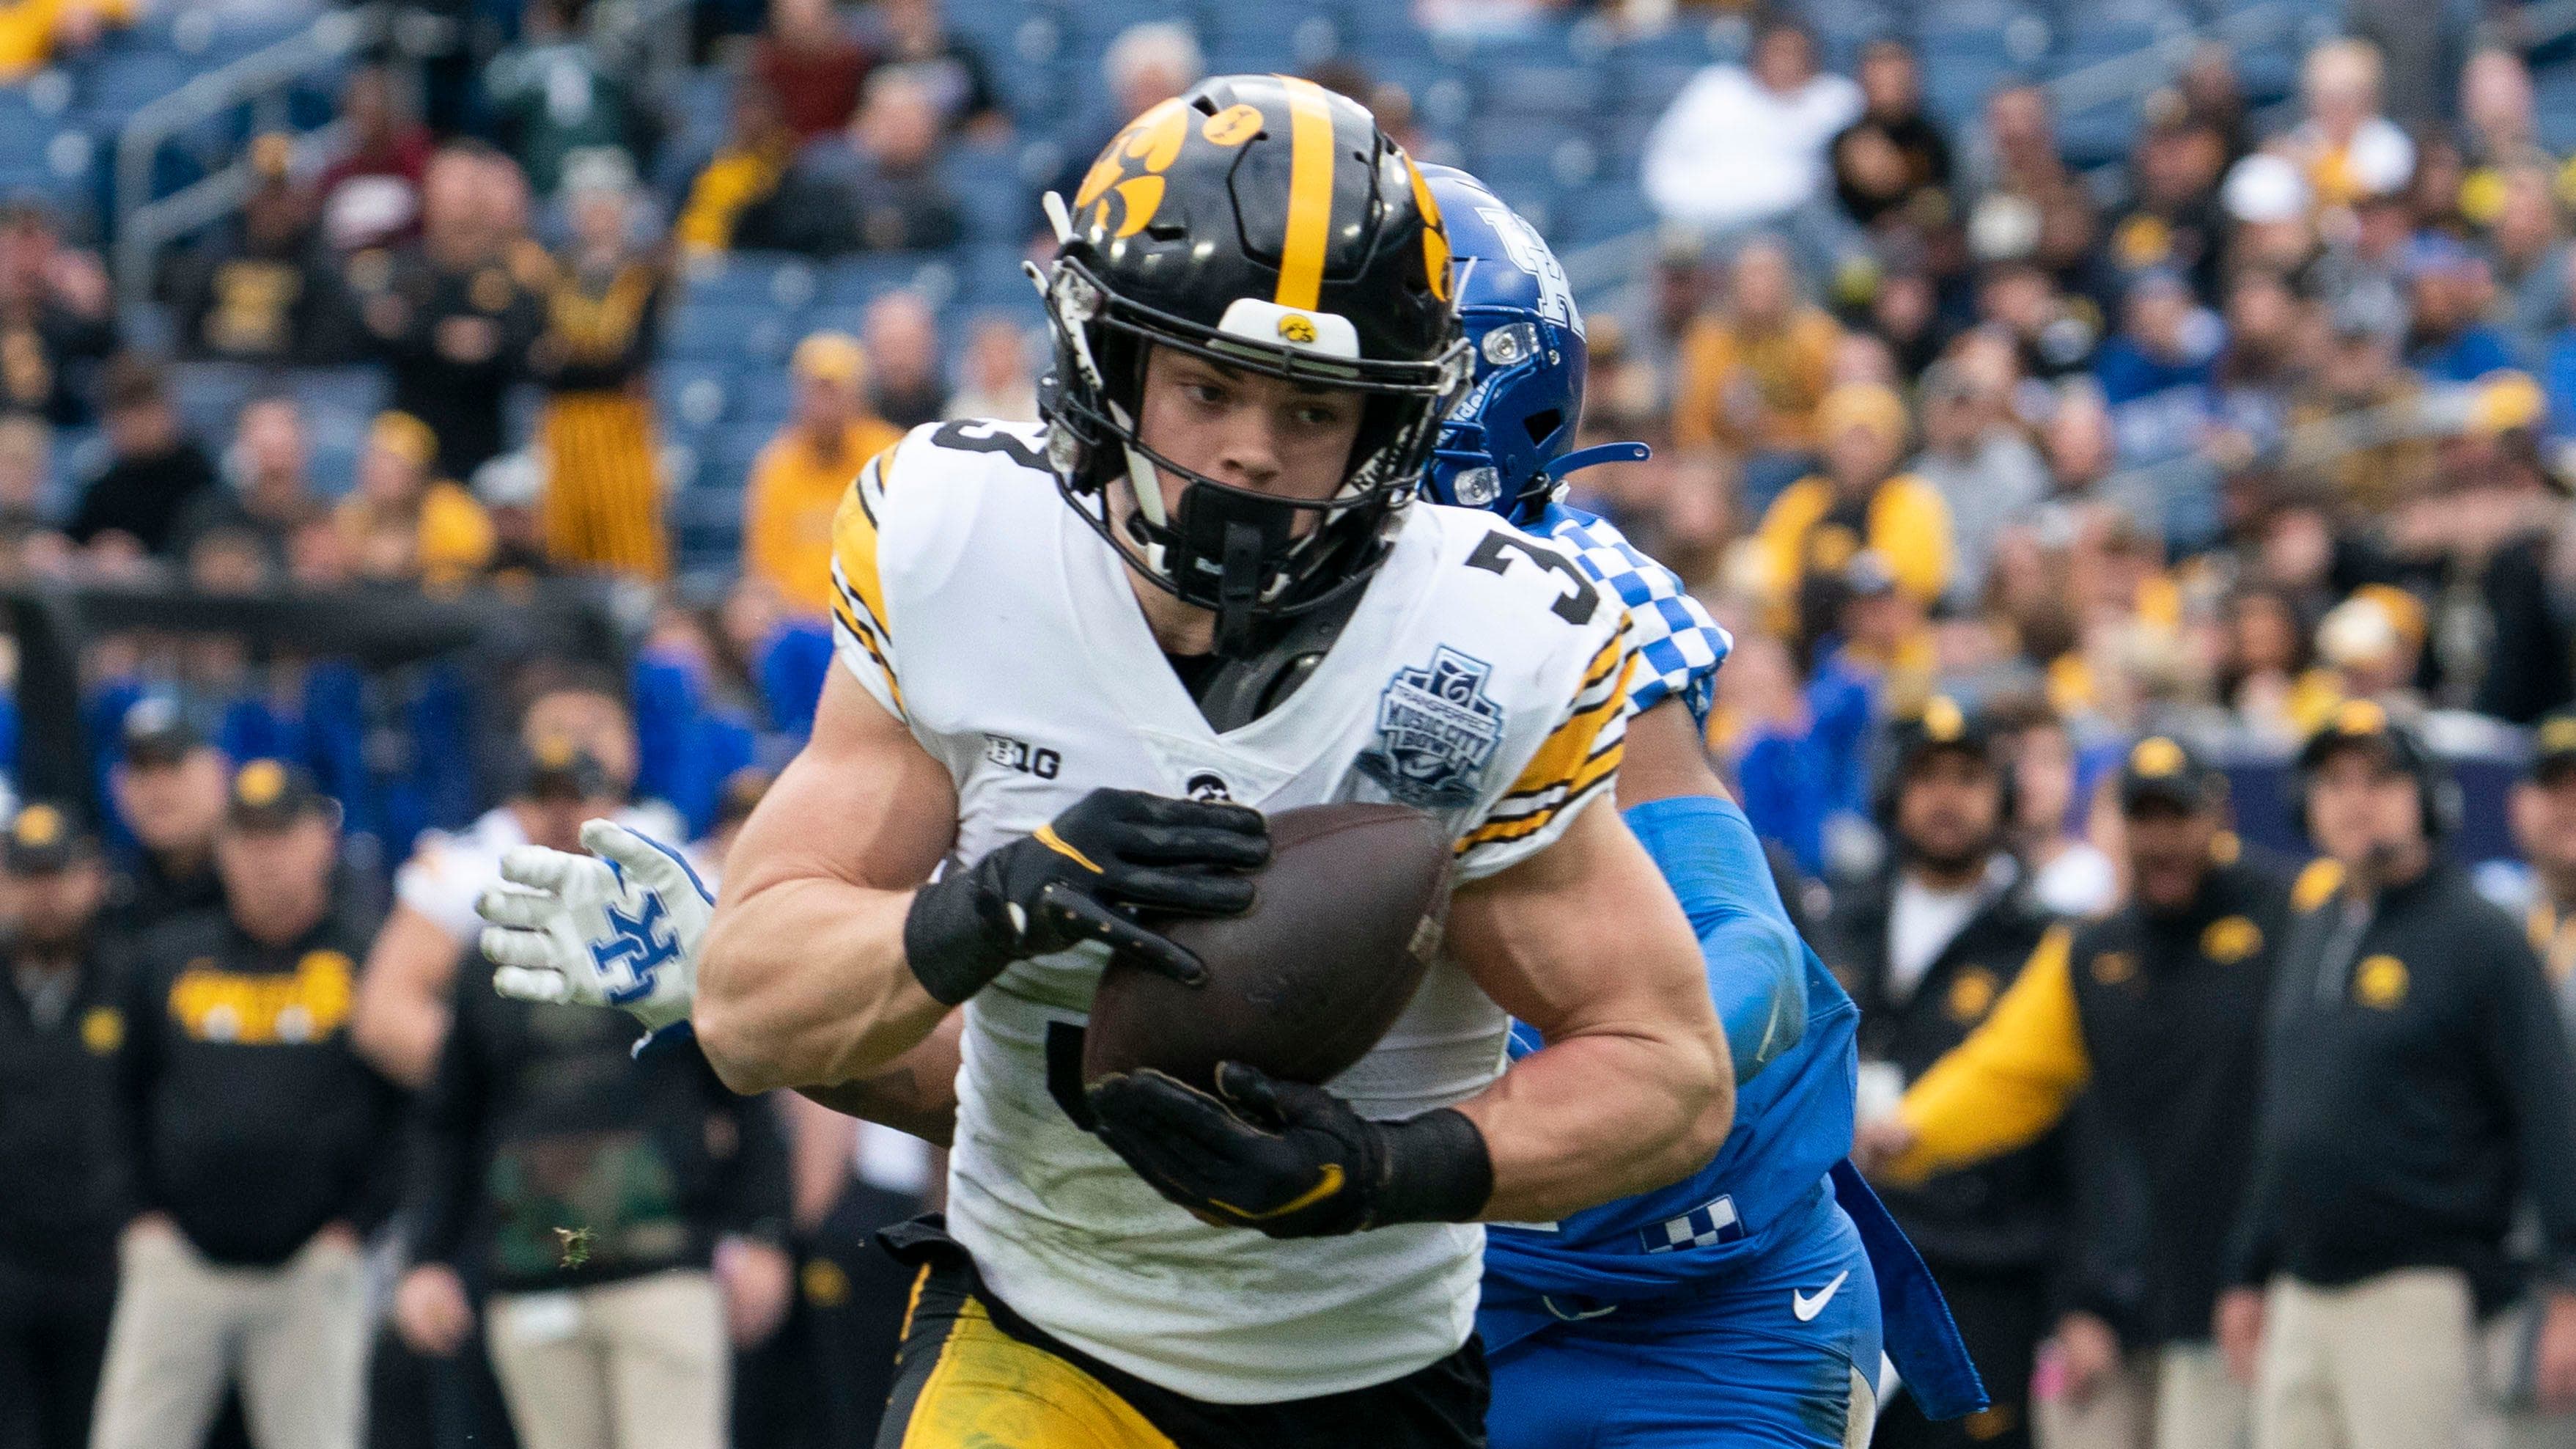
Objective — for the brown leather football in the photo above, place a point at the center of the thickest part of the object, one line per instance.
(1345, 923)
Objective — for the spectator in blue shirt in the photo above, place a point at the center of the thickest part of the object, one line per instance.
(2157, 370)
(2449, 285)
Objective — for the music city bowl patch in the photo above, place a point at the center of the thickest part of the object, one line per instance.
(1435, 731)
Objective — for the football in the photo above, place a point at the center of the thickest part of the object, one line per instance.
(1347, 919)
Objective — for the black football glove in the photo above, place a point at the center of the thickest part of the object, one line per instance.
(1290, 1160)
(1075, 880)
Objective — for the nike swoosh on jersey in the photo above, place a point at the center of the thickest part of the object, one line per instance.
(1807, 1308)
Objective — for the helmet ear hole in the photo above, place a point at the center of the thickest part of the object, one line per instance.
(1543, 425)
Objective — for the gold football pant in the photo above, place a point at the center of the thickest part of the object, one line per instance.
(974, 1375)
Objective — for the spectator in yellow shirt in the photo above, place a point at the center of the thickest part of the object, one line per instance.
(798, 481)
(1752, 373)
(403, 523)
(1859, 501)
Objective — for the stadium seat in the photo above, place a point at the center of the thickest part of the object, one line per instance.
(210, 395)
(691, 397)
(731, 331)
(119, 83)
(757, 279)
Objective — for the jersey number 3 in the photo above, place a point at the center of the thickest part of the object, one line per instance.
(1574, 608)
(970, 436)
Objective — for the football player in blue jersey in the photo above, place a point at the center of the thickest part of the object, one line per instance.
(1742, 1305)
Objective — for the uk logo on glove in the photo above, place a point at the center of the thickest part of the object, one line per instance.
(618, 927)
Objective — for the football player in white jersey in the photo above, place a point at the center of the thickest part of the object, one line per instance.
(1078, 711)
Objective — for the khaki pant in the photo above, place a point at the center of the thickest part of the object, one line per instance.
(294, 1335)
(2385, 1363)
(2512, 1338)
(2198, 1404)
(641, 1364)
(2114, 1416)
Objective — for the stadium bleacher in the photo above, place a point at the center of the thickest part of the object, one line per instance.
(1552, 113)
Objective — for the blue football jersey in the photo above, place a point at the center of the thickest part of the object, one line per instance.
(1792, 1121)
(1677, 642)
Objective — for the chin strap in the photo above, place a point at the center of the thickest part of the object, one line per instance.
(1238, 589)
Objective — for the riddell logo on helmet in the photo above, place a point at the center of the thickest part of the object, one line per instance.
(1297, 329)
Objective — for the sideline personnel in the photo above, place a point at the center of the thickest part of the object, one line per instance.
(2157, 1010)
(257, 1138)
(1927, 953)
(2416, 1084)
(59, 1033)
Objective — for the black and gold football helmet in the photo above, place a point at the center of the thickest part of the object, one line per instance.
(1266, 224)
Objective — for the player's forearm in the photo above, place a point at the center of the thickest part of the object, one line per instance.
(1712, 861)
(401, 1042)
(804, 982)
(1634, 1088)
(1601, 1116)
(917, 1094)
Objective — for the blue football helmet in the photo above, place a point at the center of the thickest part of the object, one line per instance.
(1504, 445)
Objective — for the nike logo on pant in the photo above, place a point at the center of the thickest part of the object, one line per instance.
(1807, 1308)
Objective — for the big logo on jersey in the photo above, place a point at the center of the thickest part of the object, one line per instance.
(1435, 731)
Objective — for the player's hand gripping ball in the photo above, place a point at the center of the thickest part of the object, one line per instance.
(1082, 877)
(1290, 1160)
(620, 930)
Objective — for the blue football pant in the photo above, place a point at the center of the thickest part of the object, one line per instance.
(1729, 1365)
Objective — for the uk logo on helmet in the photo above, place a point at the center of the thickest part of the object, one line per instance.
(1435, 731)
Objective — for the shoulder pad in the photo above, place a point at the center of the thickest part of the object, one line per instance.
(1679, 646)
(1023, 444)
(1540, 572)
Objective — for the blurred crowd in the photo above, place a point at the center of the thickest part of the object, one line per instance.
(2266, 422)
(2272, 421)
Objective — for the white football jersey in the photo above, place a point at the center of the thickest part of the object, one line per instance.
(1483, 678)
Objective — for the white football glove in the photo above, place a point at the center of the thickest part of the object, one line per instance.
(620, 930)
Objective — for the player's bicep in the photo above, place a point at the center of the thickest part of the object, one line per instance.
(1583, 938)
(403, 993)
(863, 803)
(1664, 759)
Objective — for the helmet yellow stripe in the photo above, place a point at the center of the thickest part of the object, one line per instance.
(1310, 195)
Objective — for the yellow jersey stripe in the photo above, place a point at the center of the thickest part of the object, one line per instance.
(912, 1304)
(868, 642)
(1523, 802)
(1504, 830)
(854, 548)
(1571, 743)
(1310, 195)
(1599, 668)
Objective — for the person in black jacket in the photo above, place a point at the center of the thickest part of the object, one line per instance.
(1927, 951)
(452, 316)
(623, 1211)
(155, 470)
(57, 318)
(2157, 1012)
(256, 1140)
(60, 1027)
(168, 784)
(2416, 1087)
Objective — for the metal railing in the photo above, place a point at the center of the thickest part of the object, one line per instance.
(2128, 77)
(632, 36)
(145, 225)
